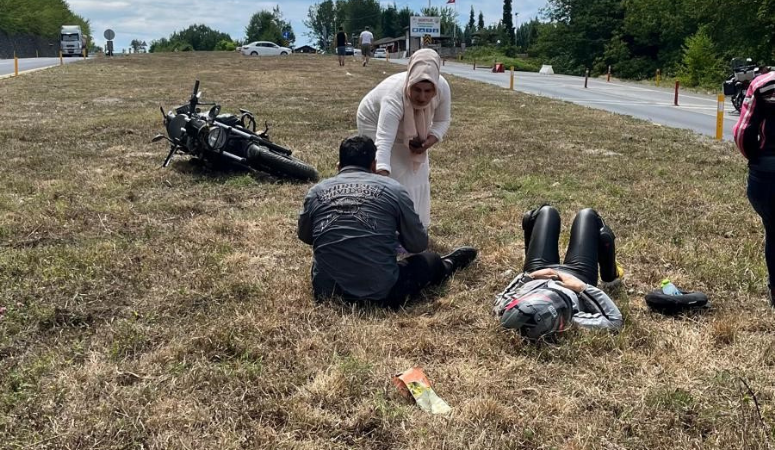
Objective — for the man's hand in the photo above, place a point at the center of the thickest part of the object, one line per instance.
(383, 172)
(568, 280)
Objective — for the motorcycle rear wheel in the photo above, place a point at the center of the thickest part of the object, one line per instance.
(281, 165)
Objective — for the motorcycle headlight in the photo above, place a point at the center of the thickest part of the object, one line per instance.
(216, 138)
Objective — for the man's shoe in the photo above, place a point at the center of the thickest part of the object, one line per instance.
(460, 258)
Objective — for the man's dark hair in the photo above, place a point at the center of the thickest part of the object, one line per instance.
(357, 151)
(341, 28)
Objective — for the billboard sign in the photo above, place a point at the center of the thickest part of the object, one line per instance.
(420, 26)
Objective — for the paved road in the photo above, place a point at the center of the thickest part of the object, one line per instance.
(695, 111)
(6, 65)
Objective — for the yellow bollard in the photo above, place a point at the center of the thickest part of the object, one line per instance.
(511, 82)
(720, 118)
(83, 53)
(15, 65)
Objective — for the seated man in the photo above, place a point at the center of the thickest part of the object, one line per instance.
(354, 222)
(548, 296)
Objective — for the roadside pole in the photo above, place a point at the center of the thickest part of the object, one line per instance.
(60, 58)
(511, 82)
(608, 79)
(586, 78)
(659, 75)
(675, 101)
(15, 65)
(720, 118)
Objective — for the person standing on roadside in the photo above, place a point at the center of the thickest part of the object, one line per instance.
(366, 39)
(754, 135)
(407, 114)
(341, 45)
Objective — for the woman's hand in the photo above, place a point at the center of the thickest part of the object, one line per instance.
(428, 143)
(568, 280)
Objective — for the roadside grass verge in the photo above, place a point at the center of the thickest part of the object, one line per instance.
(171, 308)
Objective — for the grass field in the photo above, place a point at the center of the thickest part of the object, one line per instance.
(152, 308)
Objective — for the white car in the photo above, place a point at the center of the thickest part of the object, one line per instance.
(380, 53)
(264, 48)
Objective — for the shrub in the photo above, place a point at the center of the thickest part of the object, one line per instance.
(701, 65)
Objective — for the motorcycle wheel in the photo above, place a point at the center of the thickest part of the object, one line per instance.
(737, 100)
(281, 164)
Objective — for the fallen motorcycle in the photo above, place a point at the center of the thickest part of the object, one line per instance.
(227, 138)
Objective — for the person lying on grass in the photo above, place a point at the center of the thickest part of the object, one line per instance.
(548, 296)
(354, 222)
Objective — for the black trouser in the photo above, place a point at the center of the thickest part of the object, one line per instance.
(761, 194)
(415, 273)
(584, 250)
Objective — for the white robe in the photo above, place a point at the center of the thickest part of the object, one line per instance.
(380, 116)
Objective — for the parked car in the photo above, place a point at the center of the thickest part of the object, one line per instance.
(264, 48)
(349, 50)
(380, 53)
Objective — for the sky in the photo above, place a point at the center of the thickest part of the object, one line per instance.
(147, 20)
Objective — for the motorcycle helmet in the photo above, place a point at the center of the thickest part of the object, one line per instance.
(538, 314)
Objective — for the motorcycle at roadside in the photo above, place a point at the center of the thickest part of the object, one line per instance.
(743, 73)
(227, 138)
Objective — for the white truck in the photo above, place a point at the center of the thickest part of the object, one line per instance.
(73, 41)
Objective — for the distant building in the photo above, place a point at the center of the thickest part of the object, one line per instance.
(305, 49)
(392, 45)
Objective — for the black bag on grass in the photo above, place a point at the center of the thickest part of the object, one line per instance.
(675, 304)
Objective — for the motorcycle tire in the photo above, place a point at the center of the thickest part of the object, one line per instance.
(282, 165)
(737, 100)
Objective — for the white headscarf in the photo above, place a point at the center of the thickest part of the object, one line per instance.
(424, 65)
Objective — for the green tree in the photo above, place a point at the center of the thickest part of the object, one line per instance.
(269, 26)
(195, 37)
(480, 25)
(404, 17)
(361, 14)
(579, 32)
(39, 17)
(389, 26)
(321, 19)
(526, 35)
(508, 23)
(225, 46)
(701, 64)
(449, 26)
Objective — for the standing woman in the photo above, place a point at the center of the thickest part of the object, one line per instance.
(755, 137)
(405, 115)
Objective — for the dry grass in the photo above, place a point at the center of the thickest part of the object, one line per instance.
(153, 308)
